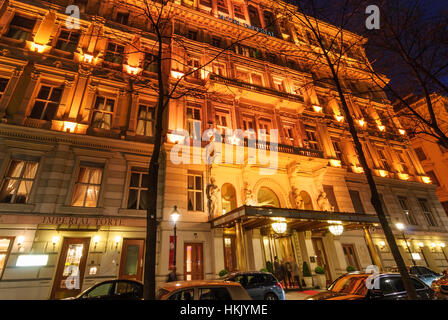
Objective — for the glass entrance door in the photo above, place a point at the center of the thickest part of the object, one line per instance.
(131, 265)
(193, 264)
(71, 267)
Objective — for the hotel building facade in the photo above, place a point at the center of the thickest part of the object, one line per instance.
(76, 136)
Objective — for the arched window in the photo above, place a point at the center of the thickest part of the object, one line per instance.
(254, 16)
(228, 198)
(307, 202)
(267, 198)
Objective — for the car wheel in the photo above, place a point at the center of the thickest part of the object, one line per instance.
(270, 296)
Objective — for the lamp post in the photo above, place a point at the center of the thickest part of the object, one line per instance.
(174, 217)
(400, 227)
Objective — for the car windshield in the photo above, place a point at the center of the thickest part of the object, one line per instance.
(351, 284)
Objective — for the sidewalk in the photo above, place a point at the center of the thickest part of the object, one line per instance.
(295, 294)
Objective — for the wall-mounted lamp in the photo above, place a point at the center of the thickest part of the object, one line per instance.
(382, 244)
(96, 240)
(20, 240)
(402, 131)
(117, 240)
(421, 244)
(361, 122)
(317, 108)
(339, 118)
(426, 179)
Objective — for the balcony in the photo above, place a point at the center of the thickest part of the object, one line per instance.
(250, 91)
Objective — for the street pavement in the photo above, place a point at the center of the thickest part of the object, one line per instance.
(301, 295)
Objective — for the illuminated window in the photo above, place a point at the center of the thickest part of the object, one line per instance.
(195, 194)
(114, 53)
(68, 40)
(46, 103)
(311, 138)
(222, 120)
(194, 122)
(20, 28)
(145, 120)
(5, 249)
(267, 198)
(138, 189)
(103, 112)
(228, 198)
(18, 180)
(88, 186)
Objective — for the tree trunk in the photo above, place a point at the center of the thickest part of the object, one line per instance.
(149, 285)
(375, 200)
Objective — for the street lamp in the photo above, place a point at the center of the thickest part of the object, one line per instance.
(174, 217)
(400, 226)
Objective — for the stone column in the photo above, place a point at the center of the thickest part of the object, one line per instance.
(373, 254)
(240, 247)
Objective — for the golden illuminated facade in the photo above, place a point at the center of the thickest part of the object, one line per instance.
(76, 137)
(433, 157)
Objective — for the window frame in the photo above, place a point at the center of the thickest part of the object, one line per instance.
(94, 110)
(47, 101)
(25, 159)
(7, 253)
(148, 106)
(195, 191)
(139, 188)
(89, 164)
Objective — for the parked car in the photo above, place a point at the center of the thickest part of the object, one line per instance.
(440, 286)
(425, 274)
(385, 286)
(202, 290)
(259, 285)
(112, 290)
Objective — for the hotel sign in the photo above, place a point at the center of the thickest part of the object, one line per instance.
(248, 26)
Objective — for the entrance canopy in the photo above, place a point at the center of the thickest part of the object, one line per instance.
(300, 220)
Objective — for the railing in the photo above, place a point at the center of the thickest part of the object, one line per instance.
(255, 87)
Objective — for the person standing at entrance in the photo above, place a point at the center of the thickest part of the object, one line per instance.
(277, 268)
(172, 276)
(296, 272)
(288, 271)
(282, 276)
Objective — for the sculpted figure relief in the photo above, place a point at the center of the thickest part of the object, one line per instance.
(249, 195)
(298, 200)
(212, 196)
(323, 202)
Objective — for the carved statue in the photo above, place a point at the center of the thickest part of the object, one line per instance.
(298, 200)
(249, 201)
(212, 196)
(323, 202)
